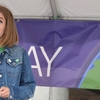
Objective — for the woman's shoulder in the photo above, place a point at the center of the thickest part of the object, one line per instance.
(17, 48)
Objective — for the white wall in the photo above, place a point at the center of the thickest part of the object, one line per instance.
(50, 93)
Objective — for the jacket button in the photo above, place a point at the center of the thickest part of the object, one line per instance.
(2, 54)
(13, 63)
(0, 76)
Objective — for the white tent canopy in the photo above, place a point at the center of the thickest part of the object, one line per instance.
(65, 9)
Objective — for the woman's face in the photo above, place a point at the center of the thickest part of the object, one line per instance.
(2, 24)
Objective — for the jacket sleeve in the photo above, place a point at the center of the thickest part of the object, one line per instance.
(27, 85)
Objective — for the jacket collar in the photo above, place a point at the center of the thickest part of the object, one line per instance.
(8, 51)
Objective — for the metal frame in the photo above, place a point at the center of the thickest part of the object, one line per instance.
(55, 11)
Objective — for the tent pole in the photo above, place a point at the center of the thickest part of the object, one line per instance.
(53, 8)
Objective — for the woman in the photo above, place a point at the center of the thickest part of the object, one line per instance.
(16, 77)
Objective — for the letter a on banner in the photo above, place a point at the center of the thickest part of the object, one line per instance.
(32, 49)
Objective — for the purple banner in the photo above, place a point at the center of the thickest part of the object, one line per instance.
(62, 53)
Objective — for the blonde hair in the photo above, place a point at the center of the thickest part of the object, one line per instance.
(10, 36)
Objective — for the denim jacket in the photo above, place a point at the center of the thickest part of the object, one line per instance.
(16, 73)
